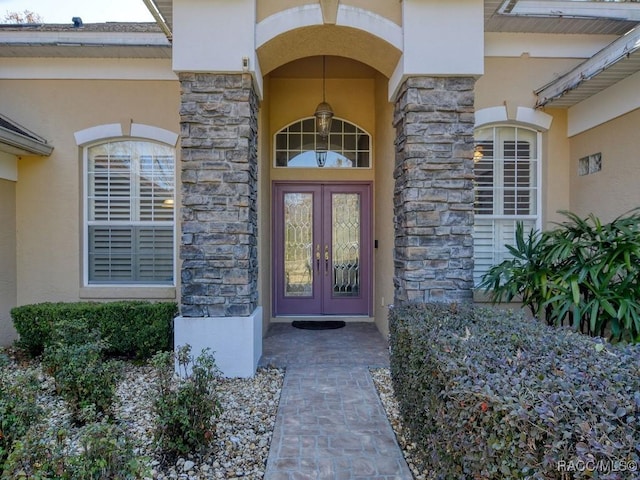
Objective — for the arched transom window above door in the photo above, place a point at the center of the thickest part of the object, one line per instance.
(298, 145)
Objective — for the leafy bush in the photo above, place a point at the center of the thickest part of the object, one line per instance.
(486, 394)
(584, 273)
(83, 378)
(185, 406)
(105, 452)
(18, 408)
(130, 327)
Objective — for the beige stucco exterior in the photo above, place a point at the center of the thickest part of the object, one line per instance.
(378, 45)
(8, 287)
(614, 190)
(48, 193)
(511, 82)
(52, 270)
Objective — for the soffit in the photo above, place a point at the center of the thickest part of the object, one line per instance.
(101, 40)
(165, 7)
(514, 23)
(585, 80)
(612, 64)
(117, 40)
(17, 140)
(28, 50)
(495, 22)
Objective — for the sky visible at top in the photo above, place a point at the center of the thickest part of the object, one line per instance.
(97, 11)
(91, 11)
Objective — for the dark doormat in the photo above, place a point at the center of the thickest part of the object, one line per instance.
(318, 325)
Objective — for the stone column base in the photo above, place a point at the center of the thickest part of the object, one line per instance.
(236, 342)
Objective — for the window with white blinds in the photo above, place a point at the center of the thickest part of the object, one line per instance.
(130, 214)
(507, 171)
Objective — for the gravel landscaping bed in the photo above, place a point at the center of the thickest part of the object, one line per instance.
(243, 432)
(382, 380)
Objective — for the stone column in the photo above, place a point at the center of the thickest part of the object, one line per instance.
(433, 199)
(218, 244)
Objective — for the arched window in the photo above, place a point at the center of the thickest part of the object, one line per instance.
(299, 145)
(129, 205)
(507, 190)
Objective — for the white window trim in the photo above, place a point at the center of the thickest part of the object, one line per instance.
(524, 117)
(539, 186)
(102, 133)
(113, 132)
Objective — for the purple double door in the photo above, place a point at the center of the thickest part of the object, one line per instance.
(322, 248)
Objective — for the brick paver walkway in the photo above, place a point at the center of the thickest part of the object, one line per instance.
(330, 423)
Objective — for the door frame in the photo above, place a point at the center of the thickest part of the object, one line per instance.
(367, 247)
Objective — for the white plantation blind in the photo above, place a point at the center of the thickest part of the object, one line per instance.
(490, 237)
(130, 215)
(506, 167)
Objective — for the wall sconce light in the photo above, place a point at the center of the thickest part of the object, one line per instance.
(324, 112)
(477, 153)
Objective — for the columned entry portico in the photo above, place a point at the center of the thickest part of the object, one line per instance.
(402, 71)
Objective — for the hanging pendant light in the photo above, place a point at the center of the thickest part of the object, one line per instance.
(324, 113)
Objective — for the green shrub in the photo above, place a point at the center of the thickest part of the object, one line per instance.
(105, 452)
(132, 328)
(82, 377)
(486, 394)
(186, 406)
(38, 455)
(583, 273)
(18, 408)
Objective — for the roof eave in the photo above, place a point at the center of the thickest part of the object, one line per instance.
(162, 15)
(623, 48)
(16, 144)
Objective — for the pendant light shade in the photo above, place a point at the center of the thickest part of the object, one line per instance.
(323, 113)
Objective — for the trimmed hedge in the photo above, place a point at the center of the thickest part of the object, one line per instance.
(132, 328)
(487, 394)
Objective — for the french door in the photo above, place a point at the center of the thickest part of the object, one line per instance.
(322, 248)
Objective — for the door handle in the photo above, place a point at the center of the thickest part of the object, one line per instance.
(326, 259)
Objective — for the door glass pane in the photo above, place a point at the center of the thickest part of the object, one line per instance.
(346, 244)
(298, 239)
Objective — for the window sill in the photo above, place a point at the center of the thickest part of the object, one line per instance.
(480, 296)
(127, 292)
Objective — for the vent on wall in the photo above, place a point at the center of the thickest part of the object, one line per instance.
(590, 164)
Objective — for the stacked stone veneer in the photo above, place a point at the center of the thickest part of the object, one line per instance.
(433, 202)
(218, 118)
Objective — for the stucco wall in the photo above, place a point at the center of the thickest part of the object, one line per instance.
(384, 186)
(613, 190)
(511, 82)
(295, 98)
(48, 192)
(7, 260)
(264, 209)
